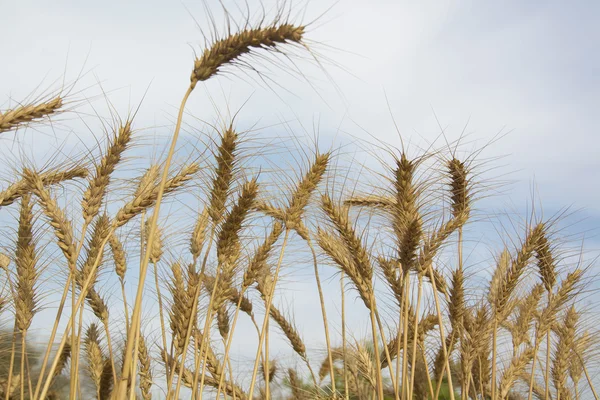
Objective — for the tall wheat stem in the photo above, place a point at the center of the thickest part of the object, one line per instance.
(429, 384)
(460, 267)
(385, 349)
(376, 348)
(442, 334)
(59, 313)
(548, 348)
(405, 337)
(415, 337)
(494, 354)
(346, 392)
(401, 328)
(200, 357)
(533, 365)
(266, 363)
(269, 300)
(125, 309)
(323, 313)
(444, 370)
(587, 376)
(137, 309)
(23, 358)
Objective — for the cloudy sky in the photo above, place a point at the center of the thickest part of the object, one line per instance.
(528, 70)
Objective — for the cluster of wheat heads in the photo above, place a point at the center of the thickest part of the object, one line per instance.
(518, 337)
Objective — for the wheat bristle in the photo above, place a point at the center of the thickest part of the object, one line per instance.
(119, 256)
(96, 190)
(145, 372)
(147, 194)
(157, 250)
(94, 356)
(226, 50)
(259, 260)
(58, 220)
(228, 243)
(12, 119)
(199, 234)
(226, 158)
(14, 191)
(26, 265)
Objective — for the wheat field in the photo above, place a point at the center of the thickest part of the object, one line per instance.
(147, 277)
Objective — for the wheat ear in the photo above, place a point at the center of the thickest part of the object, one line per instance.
(27, 275)
(227, 50)
(96, 190)
(14, 191)
(145, 369)
(228, 250)
(255, 268)
(12, 119)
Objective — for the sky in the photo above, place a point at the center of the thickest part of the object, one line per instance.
(521, 79)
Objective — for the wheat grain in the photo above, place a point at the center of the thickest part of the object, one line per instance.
(13, 192)
(13, 119)
(147, 195)
(96, 190)
(226, 158)
(94, 356)
(58, 220)
(119, 256)
(560, 363)
(226, 50)
(26, 263)
(145, 369)
(199, 234)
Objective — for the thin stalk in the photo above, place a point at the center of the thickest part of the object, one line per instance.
(401, 328)
(415, 337)
(75, 361)
(267, 311)
(63, 299)
(12, 360)
(533, 362)
(587, 376)
(125, 309)
(160, 309)
(494, 350)
(324, 314)
(405, 337)
(460, 267)
(441, 327)
(266, 366)
(385, 347)
(346, 393)
(23, 357)
(429, 384)
(137, 309)
(444, 370)
(548, 345)
(376, 347)
(230, 338)
(208, 318)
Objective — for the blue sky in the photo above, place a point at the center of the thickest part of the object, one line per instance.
(526, 69)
